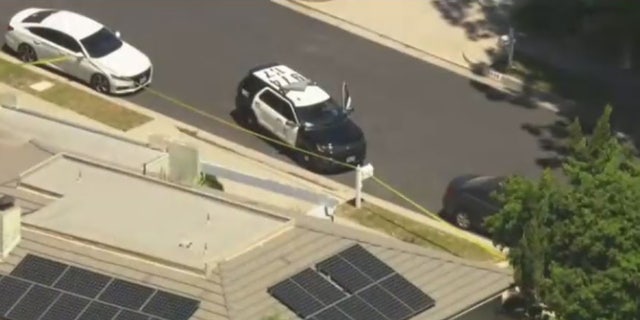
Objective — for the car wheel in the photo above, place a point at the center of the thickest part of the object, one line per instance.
(250, 119)
(462, 220)
(26, 53)
(100, 83)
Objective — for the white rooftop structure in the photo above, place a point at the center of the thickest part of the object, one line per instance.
(56, 137)
(280, 76)
(137, 214)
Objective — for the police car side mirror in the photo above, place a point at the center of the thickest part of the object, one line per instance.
(346, 98)
(349, 108)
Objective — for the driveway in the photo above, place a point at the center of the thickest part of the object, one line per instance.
(424, 125)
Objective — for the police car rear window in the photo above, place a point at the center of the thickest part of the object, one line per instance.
(39, 16)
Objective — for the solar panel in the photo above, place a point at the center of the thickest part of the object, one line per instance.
(344, 274)
(385, 303)
(358, 309)
(11, 289)
(130, 315)
(40, 270)
(33, 304)
(83, 282)
(332, 313)
(366, 262)
(408, 293)
(99, 311)
(72, 293)
(126, 294)
(295, 298)
(66, 307)
(365, 288)
(318, 286)
(171, 306)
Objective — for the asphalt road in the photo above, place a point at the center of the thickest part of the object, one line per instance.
(424, 125)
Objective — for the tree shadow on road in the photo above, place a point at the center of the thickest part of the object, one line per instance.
(478, 21)
(575, 96)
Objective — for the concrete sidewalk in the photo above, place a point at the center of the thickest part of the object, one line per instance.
(456, 35)
(447, 30)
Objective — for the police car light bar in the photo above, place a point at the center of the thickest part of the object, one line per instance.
(296, 86)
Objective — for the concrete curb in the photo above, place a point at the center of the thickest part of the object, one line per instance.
(493, 78)
(47, 117)
(369, 30)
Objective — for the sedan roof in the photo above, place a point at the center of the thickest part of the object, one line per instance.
(71, 23)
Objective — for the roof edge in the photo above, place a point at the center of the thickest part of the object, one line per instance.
(479, 304)
(355, 234)
(116, 250)
(131, 173)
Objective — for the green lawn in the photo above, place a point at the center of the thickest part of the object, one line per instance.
(411, 231)
(68, 97)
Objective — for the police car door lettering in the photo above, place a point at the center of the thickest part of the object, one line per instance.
(278, 77)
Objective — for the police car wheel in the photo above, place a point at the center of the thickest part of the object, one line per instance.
(250, 119)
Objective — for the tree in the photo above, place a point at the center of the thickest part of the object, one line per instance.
(576, 245)
(616, 21)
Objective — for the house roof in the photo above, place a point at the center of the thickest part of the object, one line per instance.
(130, 211)
(237, 288)
(455, 284)
(19, 154)
(233, 284)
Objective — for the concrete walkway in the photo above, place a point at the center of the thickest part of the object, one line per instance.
(448, 30)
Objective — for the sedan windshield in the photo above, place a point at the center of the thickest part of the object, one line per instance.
(323, 113)
(101, 43)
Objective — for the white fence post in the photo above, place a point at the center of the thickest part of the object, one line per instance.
(362, 173)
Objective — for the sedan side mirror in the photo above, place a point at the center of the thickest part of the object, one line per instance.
(117, 34)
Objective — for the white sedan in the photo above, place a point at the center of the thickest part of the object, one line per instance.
(94, 53)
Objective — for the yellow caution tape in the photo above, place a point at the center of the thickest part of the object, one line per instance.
(491, 250)
(46, 61)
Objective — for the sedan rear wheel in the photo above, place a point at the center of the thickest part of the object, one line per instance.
(462, 220)
(26, 53)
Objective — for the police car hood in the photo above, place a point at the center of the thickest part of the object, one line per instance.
(341, 133)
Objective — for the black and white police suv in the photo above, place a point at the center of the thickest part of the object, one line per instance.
(296, 110)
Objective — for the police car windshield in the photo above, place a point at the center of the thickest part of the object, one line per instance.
(323, 113)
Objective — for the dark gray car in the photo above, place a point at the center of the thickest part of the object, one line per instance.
(468, 201)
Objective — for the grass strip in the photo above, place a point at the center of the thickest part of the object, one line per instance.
(409, 230)
(68, 97)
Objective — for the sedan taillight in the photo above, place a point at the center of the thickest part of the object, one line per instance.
(449, 193)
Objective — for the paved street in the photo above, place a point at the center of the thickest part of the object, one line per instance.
(424, 124)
